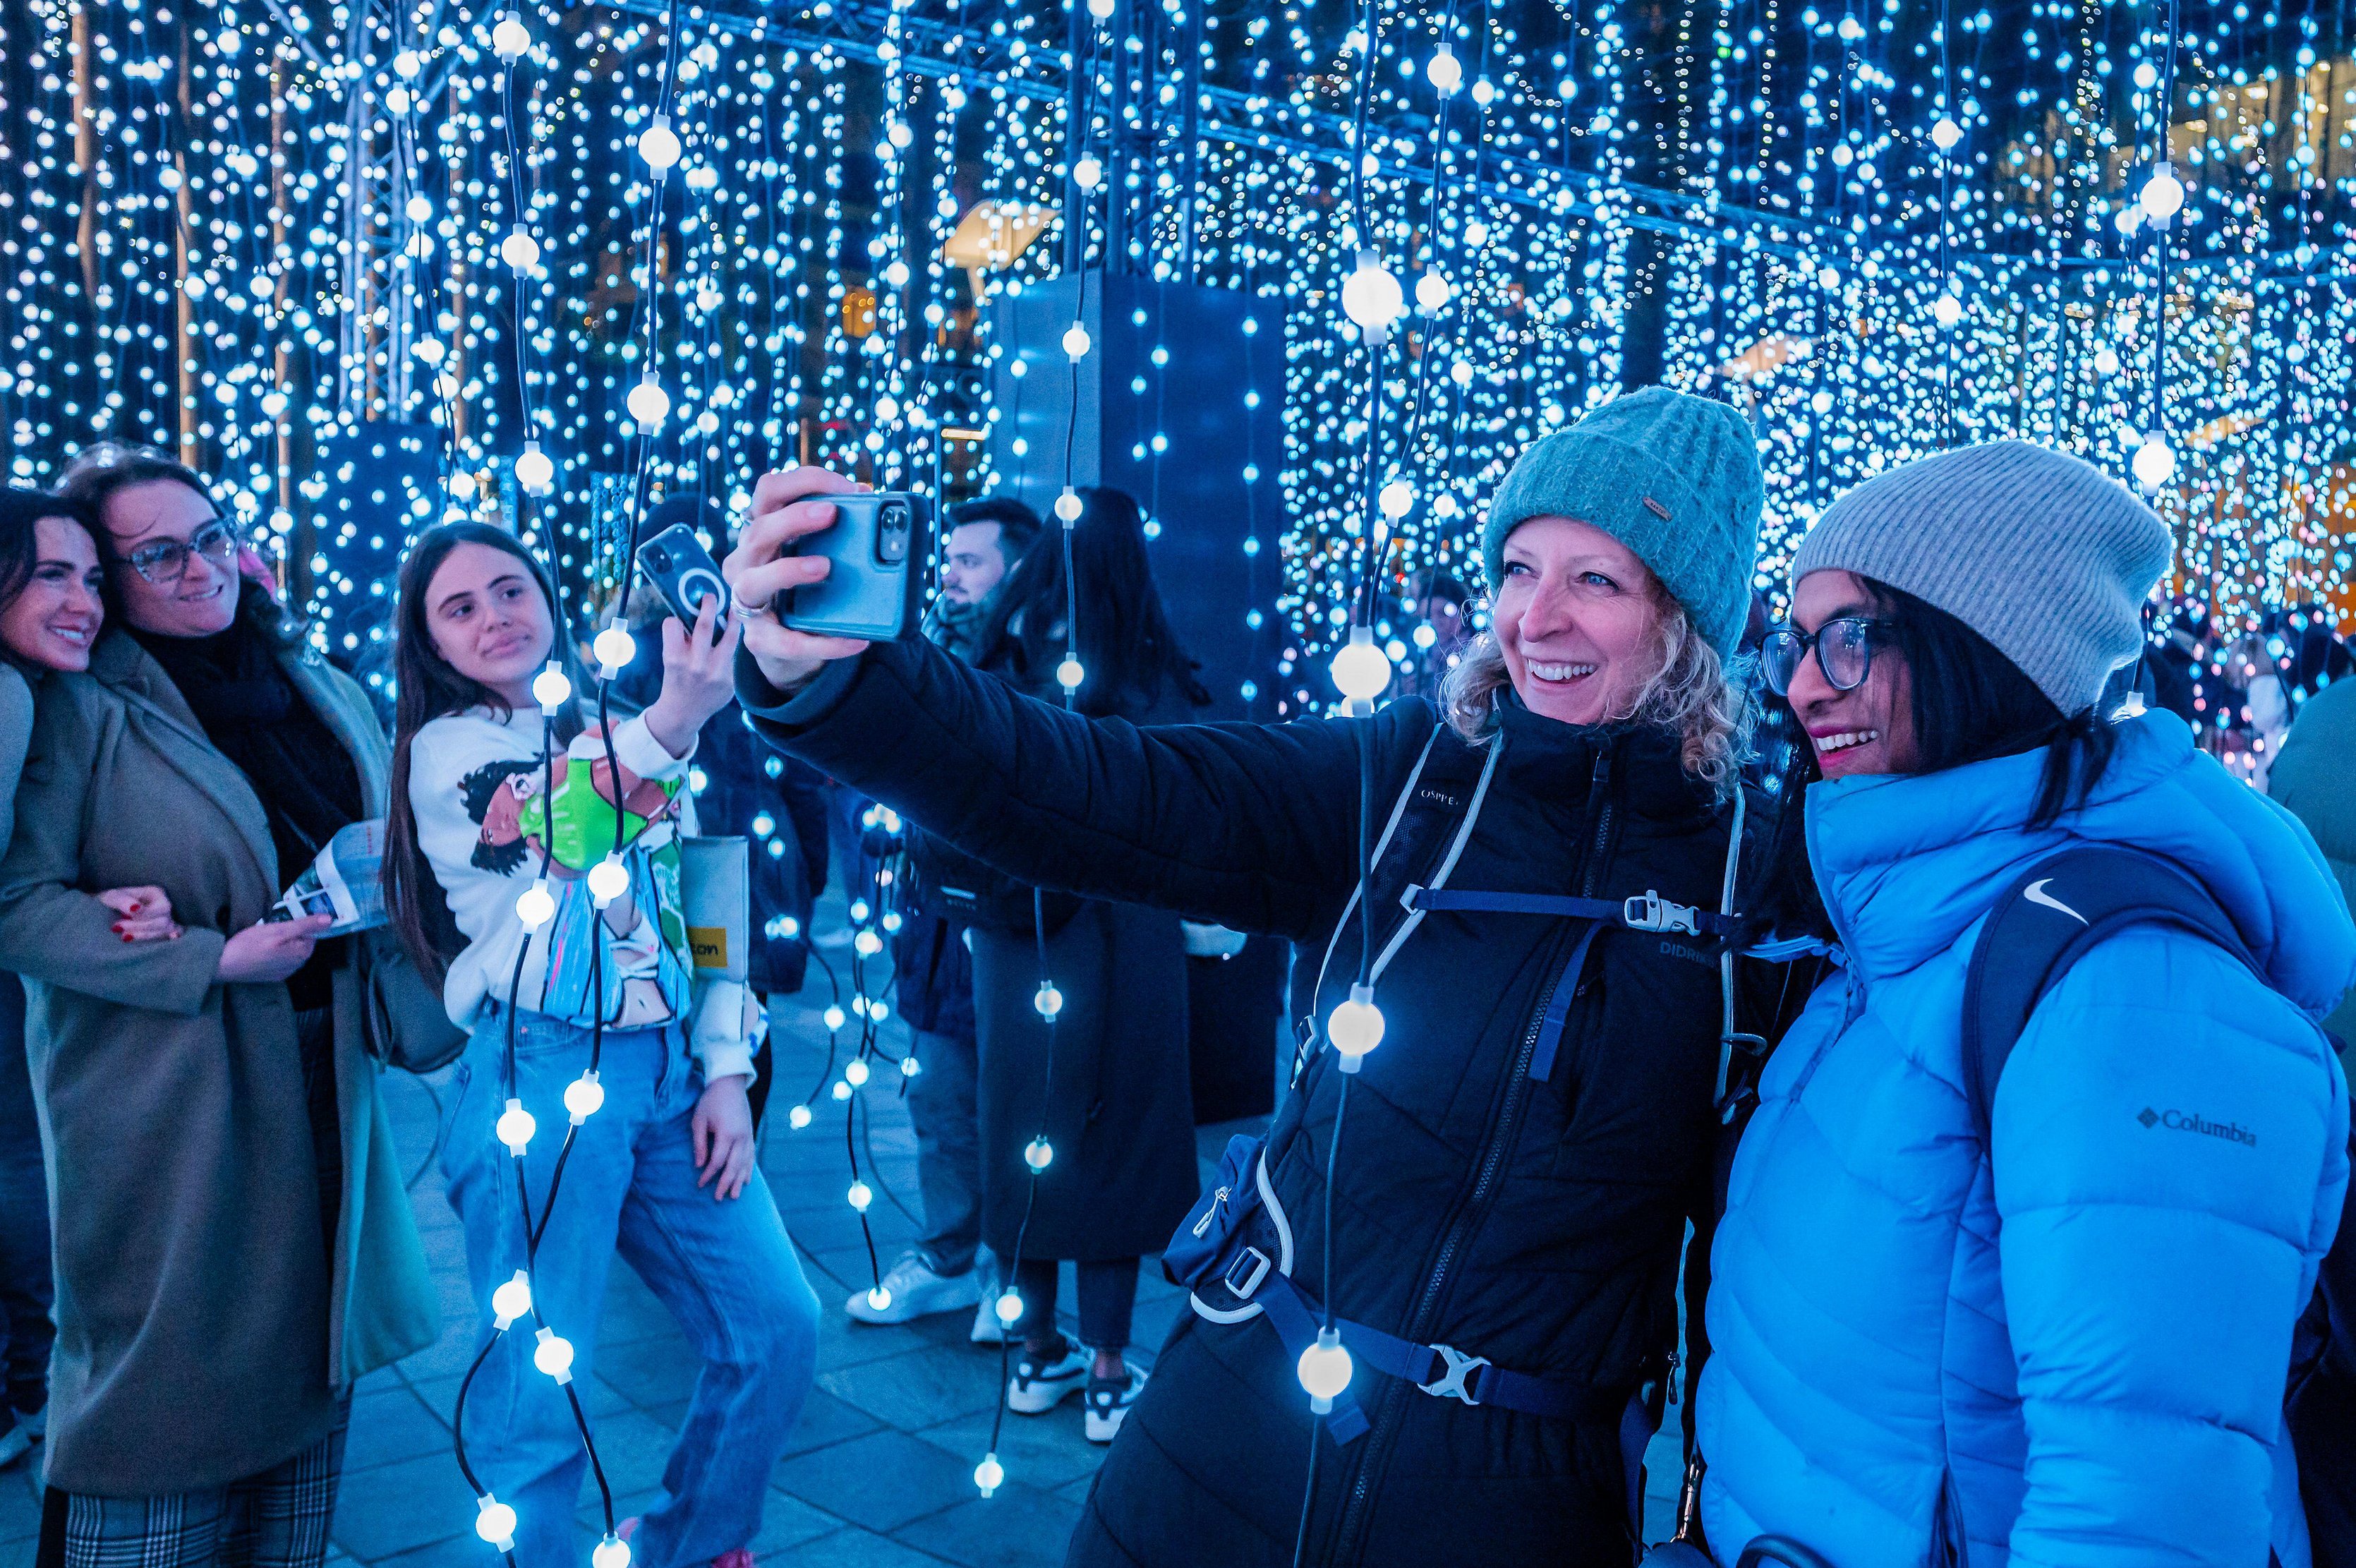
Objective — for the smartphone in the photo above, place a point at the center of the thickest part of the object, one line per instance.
(682, 571)
(879, 542)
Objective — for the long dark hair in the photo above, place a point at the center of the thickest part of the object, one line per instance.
(1126, 644)
(21, 512)
(426, 688)
(91, 479)
(1969, 703)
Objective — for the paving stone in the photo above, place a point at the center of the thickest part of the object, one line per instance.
(866, 1549)
(1042, 1452)
(400, 1507)
(1015, 1529)
(920, 1389)
(826, 1420)
(880, 1482)
(392, 1425)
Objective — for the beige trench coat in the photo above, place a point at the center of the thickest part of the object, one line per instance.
(202, 1335)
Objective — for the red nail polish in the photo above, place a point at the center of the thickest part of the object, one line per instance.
(134, 906)
(126, 936)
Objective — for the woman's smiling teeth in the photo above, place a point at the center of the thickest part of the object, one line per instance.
(1559, 671)
(1829, 744)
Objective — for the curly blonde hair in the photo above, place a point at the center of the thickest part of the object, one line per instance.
(1690, 691)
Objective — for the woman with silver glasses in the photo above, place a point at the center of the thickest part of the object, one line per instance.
(233, 1247)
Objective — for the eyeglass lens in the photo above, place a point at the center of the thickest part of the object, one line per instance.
(166, 559)
(1844, 651)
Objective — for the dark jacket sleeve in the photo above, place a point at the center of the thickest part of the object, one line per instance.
(1253, 826)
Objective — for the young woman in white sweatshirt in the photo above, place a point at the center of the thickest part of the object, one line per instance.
(571, 1003)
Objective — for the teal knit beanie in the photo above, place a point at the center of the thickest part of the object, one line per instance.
(1672, 477)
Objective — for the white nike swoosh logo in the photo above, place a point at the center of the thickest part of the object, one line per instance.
(2035, 893)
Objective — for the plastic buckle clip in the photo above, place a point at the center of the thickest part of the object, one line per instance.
(1457, 1380)
(1651, 912)
(1257, 1271)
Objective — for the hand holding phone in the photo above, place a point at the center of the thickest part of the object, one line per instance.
(682, 571)
(787, 506)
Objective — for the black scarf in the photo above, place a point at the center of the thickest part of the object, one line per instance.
(248, 708)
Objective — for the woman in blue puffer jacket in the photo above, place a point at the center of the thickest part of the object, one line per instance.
(2072, 1353)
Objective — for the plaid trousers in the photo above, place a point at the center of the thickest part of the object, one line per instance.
(277, 1519)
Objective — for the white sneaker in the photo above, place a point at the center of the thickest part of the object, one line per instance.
(1035, 1389)
(911, 1290)
(1109, 1402)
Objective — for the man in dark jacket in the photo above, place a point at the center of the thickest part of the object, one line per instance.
(1513, 1180)
(934, 965)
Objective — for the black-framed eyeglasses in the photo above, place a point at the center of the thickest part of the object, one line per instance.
(165, 562)
(1844, 651)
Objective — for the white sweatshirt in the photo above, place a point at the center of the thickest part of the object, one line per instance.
(467, 829)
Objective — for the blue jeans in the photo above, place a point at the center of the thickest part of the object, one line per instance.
(726, 1270)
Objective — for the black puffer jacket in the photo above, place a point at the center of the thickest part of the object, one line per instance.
(1535, 1223)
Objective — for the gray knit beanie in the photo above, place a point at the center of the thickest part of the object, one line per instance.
(1672, 477)
(2042, 553)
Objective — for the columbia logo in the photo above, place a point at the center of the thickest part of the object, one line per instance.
(2149, 1116)
(2193, 1121)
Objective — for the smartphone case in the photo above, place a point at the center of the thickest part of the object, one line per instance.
(681, 570)
(868, 595)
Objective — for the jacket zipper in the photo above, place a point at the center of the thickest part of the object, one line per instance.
(1493, 1153)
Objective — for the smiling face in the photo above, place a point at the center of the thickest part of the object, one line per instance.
(55, 616)
(200, 601)
(1869, 729)
(491, 622)
(1578, 618)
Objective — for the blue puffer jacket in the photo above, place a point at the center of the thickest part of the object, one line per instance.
(2079, 1360)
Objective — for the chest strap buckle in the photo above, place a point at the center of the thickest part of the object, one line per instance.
(1244, 1275)
(1457, 1380)
(1651, 912)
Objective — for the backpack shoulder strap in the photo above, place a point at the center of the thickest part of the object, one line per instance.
(2042, 923)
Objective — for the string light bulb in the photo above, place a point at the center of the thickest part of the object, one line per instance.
(515, 1128)
(1070, 672)
(1049, 1001)
(860, 1195)
(1431, 290)
(1324, 1370)
(1397, 499)
(583, 1096)
(1945, 134)
(552, 688)
(1088, 173)
(1359, 670)
(659, 146)
(1947, 310)
(1446, 72)
(2162, 196)
(1038, 1154)
(1009, 1308)
(511, 40)
(855, 1074)
(799, 1117)
(615, 647)
(535, 905)
(511, 1301)
(553, 1355)
(495, 1522)
(1067, 507)
(879, 1297)
(1354, 1026)
(1371, 295)
(519, 251)
(611, 1552)
(990, 1475)
(649, 404)
(534, 471)
(608, 880)
(1076, 341)
(2154, 463)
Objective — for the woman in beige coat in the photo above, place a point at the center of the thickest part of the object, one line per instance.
(234, 1249)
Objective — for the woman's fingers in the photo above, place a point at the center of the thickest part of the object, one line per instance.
(756, 585)
(142, 901)
(740, 1169)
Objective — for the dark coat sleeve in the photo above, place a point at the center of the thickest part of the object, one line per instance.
(1253, 826)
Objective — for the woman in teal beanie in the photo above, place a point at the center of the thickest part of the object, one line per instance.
(2057, 1336)
(1519, 1152)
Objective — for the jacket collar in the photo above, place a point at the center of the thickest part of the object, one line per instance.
(1907, 866)
(1557, 761)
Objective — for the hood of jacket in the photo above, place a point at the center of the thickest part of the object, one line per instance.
(1906, 864)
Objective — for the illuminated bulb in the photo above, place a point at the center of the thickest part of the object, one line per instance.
(1948, 310)
(2107, 361)
(1476, 234)
(1356, 1027)
(1822, 402)
(799, 1117)
(274, 403)
(511, 40)
(1009, 1308)
(648, 403)
(1485, 92)
(832, 1017)
(2147, 75)
(1324, 1370)
(1852, 29)
(1100, 9)
(2128, 219)
(1371, 297)
(535, 907)
(407, 64)
(1076, 341)
(495, 1522)
(1826, 278)
(1088, 173)
(2162, 196)
(2154, 463)
(879, 1298)
(553, 1355)
(1049, 1001)
(608, 880)
(1460, 373)
(1945, 134)
(1445, 71)
(659, 146)
(855, 1074)
(519, 250)
(861, 1196)
(419, 211)
(611, 1552)
(1431, 291)
(534, 471)
(910, 1067)
(511, 1300)
(840, 1090)
(515, 1127)
(1067, 506)
(990, 1475)
(1038, 1154)
(550, 687)
(1397, 499)
(1359, 670)
(615, 647)
(583, 1096)
(1069, 673)
(867, 944)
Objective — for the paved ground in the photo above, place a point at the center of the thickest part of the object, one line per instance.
(878, 1471)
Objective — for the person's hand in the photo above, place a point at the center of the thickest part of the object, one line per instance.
(699, 674)
(147, 913)
(270, 949)
(787, 506)
(721, 1130)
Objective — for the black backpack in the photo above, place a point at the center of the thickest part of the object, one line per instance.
(2050, 916)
